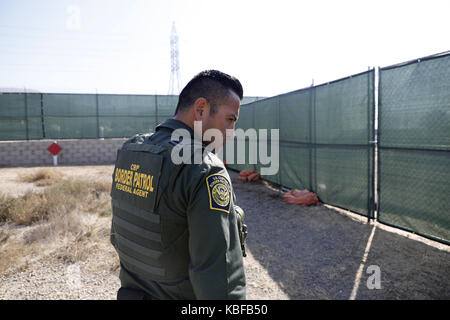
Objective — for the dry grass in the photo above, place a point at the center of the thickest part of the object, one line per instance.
(68, 218)
(60, 199)
(42, 177)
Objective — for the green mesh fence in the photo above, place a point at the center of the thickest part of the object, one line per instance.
(414, 147)
(20, 116)
(166, 106)
(324, 135)
(295, 139)
(240, 158)
(28, 116)
(343, 115)
(266, 116)
(70, 116)
(124, 115)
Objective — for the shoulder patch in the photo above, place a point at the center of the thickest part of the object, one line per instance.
(219, 191)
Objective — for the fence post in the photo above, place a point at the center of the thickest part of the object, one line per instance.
(271, 151)
(42, 116)
(313, 139)
(255, 166)
(374, 145)
(310, 137)
(378, 146)
(97, 114)
(369, 149)
(26, 116)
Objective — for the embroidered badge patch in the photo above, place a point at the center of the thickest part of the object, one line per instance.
(219, 191)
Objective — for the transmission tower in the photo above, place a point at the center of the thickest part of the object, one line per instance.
(174, 85)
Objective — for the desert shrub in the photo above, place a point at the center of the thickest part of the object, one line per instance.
(58, 199)
(42, 177)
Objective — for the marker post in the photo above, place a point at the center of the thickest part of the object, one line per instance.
(54, 149)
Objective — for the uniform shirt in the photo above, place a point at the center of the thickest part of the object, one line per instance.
(202, 255)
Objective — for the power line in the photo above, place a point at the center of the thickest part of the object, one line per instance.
(62, 33)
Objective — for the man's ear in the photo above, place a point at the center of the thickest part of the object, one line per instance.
(201, 109)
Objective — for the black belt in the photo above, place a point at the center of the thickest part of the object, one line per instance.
(132, 294)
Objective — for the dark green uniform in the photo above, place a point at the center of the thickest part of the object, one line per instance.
(175, 226)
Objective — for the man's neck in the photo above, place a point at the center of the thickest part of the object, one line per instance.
(186, 120)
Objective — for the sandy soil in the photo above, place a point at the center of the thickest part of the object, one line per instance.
(294, 252)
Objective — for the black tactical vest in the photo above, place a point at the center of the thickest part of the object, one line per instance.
(149, 232)
(135, 193)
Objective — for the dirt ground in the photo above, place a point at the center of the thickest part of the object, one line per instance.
(294, 252)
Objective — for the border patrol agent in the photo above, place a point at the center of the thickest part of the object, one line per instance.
(175, 227)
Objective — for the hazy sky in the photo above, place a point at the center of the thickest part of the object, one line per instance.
(123, 46)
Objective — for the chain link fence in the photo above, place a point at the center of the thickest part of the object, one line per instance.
(414, 147)
(32, 116)
(327, 136)
(324, 134)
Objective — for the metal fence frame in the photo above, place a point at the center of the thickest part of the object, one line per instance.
(374, 163)
(373, 143)
(312, 145)
(380, 148)
(44, 115)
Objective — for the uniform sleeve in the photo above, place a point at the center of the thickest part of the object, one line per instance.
(216, 265)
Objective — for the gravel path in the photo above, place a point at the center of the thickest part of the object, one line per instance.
(294, 252)
(55, 280)
(317, 252)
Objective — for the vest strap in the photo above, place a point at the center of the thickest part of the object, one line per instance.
(154, 236)
(139, 267)
(133, 210)
(124, 242)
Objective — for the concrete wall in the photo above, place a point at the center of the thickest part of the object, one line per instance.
(74, 152)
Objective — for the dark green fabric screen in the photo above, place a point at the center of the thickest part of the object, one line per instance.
(414, 147)
(28, 116)
(324, 135)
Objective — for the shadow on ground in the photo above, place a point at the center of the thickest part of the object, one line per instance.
(315, 252)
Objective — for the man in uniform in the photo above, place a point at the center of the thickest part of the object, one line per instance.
(175, 226)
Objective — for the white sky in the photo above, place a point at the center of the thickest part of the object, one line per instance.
(273, 47)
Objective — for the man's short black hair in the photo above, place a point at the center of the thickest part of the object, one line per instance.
(213, 85)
